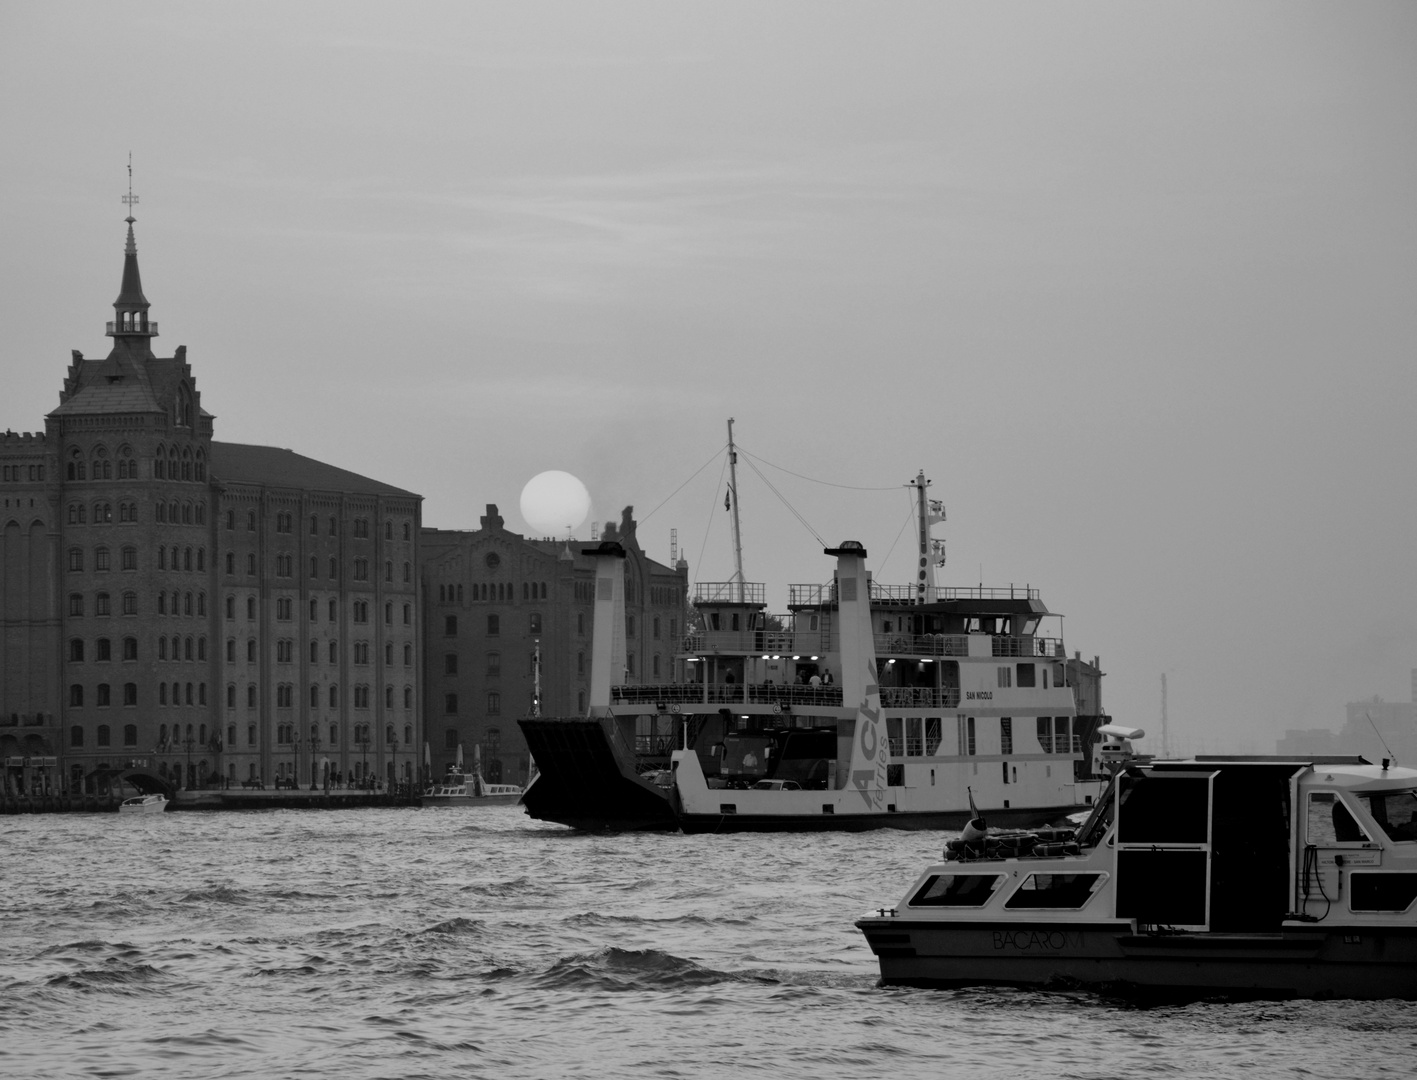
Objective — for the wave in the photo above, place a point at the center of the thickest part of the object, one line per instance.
(116, 978)
(631, 969)
(457, 925)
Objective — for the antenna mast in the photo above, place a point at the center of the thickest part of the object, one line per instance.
(733, 505)
(928, 512)
(1165, 738)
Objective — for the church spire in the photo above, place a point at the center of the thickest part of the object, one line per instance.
(131, 307)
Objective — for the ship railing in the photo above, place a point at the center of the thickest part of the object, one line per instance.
(1008, 645)
(920, 697)
(670, 694)
(1060, 744)
(818, 595)
(769, 642)
(922, 644)
(730, 592)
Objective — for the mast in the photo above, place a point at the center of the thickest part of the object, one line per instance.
(733, 505)
(536, 677)
(927, 512)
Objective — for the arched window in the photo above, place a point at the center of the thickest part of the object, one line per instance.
(76, 736)
(251, 696)
(76, 695)
(494, 703)
(130, 734)
(231, 696)
(314, 697)
(408, 697)
(103, 735)
(388, 697)
(334, 697)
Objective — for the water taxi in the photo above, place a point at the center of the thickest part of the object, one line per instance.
(143, 804)
(1248, 877)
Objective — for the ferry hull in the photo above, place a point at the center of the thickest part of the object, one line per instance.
(908, 821)
(582, 781)
(1355, 962)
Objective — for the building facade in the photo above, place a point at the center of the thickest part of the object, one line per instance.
(502, 610)
(217, 612)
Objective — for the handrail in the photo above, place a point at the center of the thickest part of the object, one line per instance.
(819, 595)
(920, 697)
(726, 694)
(730, 592)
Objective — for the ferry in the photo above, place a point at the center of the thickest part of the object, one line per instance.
(862, 706)
(1238, 877)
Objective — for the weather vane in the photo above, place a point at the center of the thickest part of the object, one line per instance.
(130, 200)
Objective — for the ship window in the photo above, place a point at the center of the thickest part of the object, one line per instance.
(1055, 891)
(932, 735)
(1025, 675)
(1330, 822)
(1383, 892)
(957, 890)
(1006, 676)
(914, 742)
(1394, 811)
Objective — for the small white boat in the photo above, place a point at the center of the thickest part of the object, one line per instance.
(457, 789)
(143, 804)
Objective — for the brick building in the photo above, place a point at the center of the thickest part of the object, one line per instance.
(494, 600)
(219, 612)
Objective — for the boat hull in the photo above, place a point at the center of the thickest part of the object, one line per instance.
(469, 800)
(908, 821)
(1360, 962)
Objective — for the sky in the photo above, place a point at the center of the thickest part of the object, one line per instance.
(1135, 285)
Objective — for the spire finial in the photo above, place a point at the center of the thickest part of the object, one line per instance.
(130, 200)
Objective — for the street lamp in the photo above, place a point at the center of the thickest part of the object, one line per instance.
(314, 750)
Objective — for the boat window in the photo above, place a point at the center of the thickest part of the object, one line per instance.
(956, 890)
(1055, 891)
(1394, 811)
(1382, 892)
(932, 735)
(1329, 822)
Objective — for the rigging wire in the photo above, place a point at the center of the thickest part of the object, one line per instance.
(682, 486)
(787, 504)
(709, 526)
(909, 516)
(811, 480)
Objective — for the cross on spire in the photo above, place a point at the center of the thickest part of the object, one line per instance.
(130, 200)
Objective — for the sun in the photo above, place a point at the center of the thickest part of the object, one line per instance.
(554, 503)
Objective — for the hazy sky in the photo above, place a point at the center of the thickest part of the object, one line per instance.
(1135, 285)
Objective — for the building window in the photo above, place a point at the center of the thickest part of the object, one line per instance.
(450, 662)
(101, 698)
(130, 648)
(102, 735)
(76, 603)
(494, 664)
(407, 615)
(494, 625)
(334, 652)
(103, 649)
(76, 649)
(130, 558)
(450, 622)
(284, 608)
(101, 604)
(450, 703)
(76, 558)
(408, 697)
(535, 622)
(494, 703)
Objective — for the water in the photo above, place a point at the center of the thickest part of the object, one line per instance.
(458, 943)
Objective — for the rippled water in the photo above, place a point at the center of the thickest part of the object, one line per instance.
(474, 942)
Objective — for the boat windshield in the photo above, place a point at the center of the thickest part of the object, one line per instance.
(1100, 820)
(1394, 811)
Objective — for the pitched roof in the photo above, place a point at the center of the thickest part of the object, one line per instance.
(242, 463)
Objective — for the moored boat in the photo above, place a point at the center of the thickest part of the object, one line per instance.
(143, 804)
(1247, 877)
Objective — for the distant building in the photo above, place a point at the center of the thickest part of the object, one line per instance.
(218, 612)
(1375, 728)
(492, 599)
